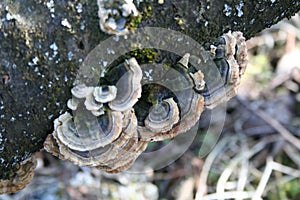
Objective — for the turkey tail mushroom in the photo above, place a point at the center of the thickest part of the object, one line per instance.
(20, 178)
(128, 86)
(162, 116)
(111, 124)
(230, 56)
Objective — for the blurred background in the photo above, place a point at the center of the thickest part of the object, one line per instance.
(256, 157)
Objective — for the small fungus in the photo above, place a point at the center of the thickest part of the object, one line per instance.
(128, 86)
(20, 178)
(73, 103)
(105, 94)
(230, 56)
(198, 78)
(91, 104)
(184, 61)
(113, 15)
(85, 131)
(162, 116)
(81, 91)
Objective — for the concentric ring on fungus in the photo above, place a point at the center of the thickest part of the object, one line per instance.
(104, 94)
(108, 141)
(162, 116)
(230, 57)
(189, 103)
(128, 86)
(86, 132)
(111, 124)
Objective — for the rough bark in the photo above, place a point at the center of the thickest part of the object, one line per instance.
(39, 56)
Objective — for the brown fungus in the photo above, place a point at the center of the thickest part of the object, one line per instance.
(188, 118)
(128, 145)
(230, 56)
(182, 113)
(162, 116)
(112, 125)
(129, 87)
(85, 131)
(236, 55)
(116, 155)
(81, 91)
(20, 178)
(198, 78)
(92, 105)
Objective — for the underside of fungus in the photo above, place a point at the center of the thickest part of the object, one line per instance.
(110, 124)
(20, 178)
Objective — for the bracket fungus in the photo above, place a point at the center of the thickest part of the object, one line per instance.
(230, 56)
(162, 116)
(198, 78)
(113, 121)
(102, 129)
(114, 15)
(81, 91)
(20, 178)
(84, 131)
(129, 87)
(114, 157)
(180, 115)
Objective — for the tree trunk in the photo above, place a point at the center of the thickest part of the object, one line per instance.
(44, 42)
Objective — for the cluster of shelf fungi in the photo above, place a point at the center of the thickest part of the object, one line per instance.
(110, 124)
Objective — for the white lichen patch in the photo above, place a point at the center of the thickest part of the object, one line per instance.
(239, 9)
(227, 10)
(50, 5)
(12, 119)
(50, 116)
(79, 8)
(70, 55)
(110, 51)
(161, 2)
(148, 75)
(54, 48)
(66, 23)
(1, 138)
(9, 16)
(34, 61)
(82, 25)
(1, 105)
